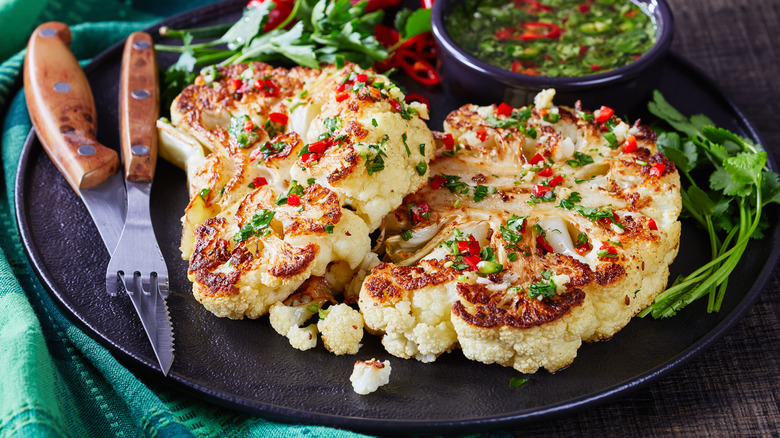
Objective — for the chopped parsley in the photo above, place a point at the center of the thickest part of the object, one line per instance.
(329, 228)
(295, 189)
(512, 232)
(568, 203)
(611, 139)
(238, 132)
(204, 192)
(480, 192)
(515, 382)
(512, 256)
(545, 288)
(374, 161)
(421, 168)
(406, 235)
(259, 223)
(408, 152)
(580, 159)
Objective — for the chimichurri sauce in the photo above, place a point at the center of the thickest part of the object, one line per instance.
(556, 38)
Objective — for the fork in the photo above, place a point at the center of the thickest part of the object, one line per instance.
(137, 264)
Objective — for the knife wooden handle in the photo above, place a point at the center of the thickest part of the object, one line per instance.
(139, 108)
(62, 109)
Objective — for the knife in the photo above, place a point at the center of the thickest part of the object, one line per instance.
(62, 110)
(137, 259)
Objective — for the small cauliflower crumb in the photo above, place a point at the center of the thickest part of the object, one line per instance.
(287, 320)
(342, 329)
(545, 98)
(368, 376)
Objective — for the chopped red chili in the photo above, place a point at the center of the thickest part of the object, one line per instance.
(278, 118)
(558, 180)
(259, 181)
(472, 261)
(547, 171)
(321, 146)
(341, 97)
(536, 159)
(630, 144)
(652, 225)
(293, 199)
(449, 142)
(540, 241)
(437, 182)
(482, 134)
(416, 66)
(249, 125)
(236, 83)
(539, 190)
(504, 109)
(658, 170)
(605, 113)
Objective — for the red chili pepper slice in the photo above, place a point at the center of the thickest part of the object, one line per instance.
(386, 35)
(630, 144)
(255, 153)
(437, 182)
(417, 67)
(309, 158)
(582, 249)
(610, 249)
(426, 4)
(293, 199)
(249, 125)
(362, 77)
(595, 67)
(396, 105)
(472, 261)
(504, 109)
(341, 97)
(259, 181)
(482, 134)
(539, 29)
(652, 225)
(416, 97)
(449, 142)
(584, 8)
(605, 113)
(268, 86)
(558, 180)
(278, 118)
(320, 146)
(547, 171)
(538, 158)
(658, 170)
(540, 241)
(420, 212)
(532, 6)
(519, 67)
(539, 190)
(236, 83)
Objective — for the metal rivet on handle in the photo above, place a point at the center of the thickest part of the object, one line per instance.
(141, 45)
(48, 32)
(62, 87)
(86, 150)
(139, 150)
(139, 94)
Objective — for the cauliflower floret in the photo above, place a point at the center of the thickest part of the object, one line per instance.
(341, 329)
(257, 252)
(368, 376)
(287, 321)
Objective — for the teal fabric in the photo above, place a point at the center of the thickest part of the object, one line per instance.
(54, 379)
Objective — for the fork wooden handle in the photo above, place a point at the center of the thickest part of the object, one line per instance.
(62, 108)
(139, 108)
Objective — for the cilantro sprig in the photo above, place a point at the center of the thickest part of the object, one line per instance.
(728, 205)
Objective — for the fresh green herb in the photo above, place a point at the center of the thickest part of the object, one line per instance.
(325, 32)
(406, 235)
(421, 168)
(406, 146)
(487, 254)
(310, 181)
(374, 123)
(729, 207)
(480, 192)
(604, 252)
(512, 232)
(204, 192)
(260, 221)
(569, 202)
(552, 117)
(545, 288)
(512, 256)
(595, 213)
(582, 180)
(332, 124)
(374, 161)
(238, 132)
(313, 307)
(580, 159)
(516, 382)
(611, 139)
(329, 228)
(422, 149)
(295, 189)
(582, 239)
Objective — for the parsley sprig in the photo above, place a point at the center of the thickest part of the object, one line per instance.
(729, 208)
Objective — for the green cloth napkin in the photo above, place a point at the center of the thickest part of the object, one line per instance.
(54, 379)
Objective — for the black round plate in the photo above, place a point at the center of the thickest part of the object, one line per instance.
(247, 366)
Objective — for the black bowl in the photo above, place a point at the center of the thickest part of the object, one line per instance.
(479, 82)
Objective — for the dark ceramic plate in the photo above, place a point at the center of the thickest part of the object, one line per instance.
(247, 366)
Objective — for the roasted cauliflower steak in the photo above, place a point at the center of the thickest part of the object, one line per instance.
(541, 227)
(289, 171)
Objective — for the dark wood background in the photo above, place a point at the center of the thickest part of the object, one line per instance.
(733, 389)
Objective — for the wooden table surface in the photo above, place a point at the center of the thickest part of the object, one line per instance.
(733, 389)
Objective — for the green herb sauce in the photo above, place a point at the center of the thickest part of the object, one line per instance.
(555, 38)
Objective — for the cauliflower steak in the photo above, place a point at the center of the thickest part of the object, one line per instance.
(288, 172)
(540, 228)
